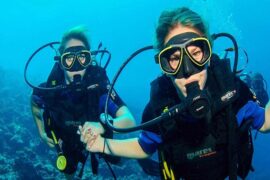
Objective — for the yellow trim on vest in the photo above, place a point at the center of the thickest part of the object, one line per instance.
(54, 138)
(164, 174)
(172, 174)
(167, 172)
(165, 166)
(165, 109)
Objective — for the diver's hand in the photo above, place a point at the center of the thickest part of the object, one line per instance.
(95, 127)
(94, 142)
(47, 140)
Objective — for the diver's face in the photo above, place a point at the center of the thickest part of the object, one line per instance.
(70, 74)
(200, 77)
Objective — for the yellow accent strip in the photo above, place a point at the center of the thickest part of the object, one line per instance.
(54, 138)
(164, 174)
(172, 174)
(166, 169)
(166, 109)
(167, 172)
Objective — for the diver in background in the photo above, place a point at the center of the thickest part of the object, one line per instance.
(246, 78)
(58, 114)
(205, 145)
(257, 85)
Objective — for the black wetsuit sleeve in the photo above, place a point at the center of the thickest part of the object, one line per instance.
(37, 96)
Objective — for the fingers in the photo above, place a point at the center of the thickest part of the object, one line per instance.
(95, 126)
(91, 142)
(79, 130)
(51, 145)
(49, 140)
(87, 134)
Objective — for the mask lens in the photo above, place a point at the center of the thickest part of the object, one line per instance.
(199, 51)
(67, 60)
(170, 59)
(84, 58)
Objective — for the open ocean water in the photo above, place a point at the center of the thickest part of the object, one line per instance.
(122, 26)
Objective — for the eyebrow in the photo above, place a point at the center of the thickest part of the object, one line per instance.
(175, 54)
(194, 49)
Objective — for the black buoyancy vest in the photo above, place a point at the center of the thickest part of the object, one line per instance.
(59, 109)
(67, 110)
(202, 157)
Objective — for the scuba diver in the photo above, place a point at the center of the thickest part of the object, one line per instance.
(259, 86)
(207, 110)
(245, 77)
(59, 111)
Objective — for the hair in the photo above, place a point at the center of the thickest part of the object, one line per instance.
(170, 18)
(79, 33)
(258, 77)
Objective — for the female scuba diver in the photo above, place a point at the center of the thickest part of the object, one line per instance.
(58, 113)
(210, 139)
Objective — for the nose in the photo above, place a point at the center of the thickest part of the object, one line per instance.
(187, 68)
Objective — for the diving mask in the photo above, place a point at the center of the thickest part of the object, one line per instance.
(184, 55)
(75, 58)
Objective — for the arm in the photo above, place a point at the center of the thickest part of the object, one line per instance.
(129, 148)
(37, 115)
(266, 125)
(124, 118)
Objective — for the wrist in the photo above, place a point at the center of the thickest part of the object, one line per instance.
(106, 148)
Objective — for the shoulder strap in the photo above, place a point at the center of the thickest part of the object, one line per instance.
(225, 89)
(56, 76)
(240, 147)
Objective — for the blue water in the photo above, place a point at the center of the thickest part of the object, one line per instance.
(122, 26)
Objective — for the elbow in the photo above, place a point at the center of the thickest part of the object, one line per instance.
(127, 119)
(265, 128)
(128, 122)
(266, 125)
(131, 121)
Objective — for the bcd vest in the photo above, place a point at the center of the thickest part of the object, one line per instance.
(65, 110)
(200, 150)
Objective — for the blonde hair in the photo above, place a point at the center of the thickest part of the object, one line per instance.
(79, 33)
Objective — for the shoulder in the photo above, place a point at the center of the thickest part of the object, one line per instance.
(38, 92)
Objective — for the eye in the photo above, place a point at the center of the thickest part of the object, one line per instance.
(196, 53)
(69, 58)
(175, 56)
(82, 58)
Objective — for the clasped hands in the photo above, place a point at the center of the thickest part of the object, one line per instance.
(91, 133)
